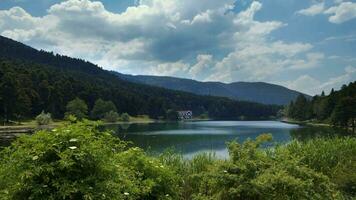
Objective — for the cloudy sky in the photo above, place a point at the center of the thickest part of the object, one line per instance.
(307, 45)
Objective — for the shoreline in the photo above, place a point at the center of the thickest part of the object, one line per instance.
(305, 123)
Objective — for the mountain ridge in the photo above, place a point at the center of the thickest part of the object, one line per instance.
(33, 81)
(260, 92)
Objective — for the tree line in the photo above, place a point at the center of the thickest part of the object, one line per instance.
(27, 89)
(337, 108)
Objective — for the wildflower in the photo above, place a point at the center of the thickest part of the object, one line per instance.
(73, 147)
(225, 171)
(73, 140)
(126, 193)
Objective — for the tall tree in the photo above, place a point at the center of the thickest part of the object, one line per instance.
(78, 108)
(101, 108)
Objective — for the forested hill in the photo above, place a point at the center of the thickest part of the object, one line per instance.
(32, 81)
(259, 92)
(338, 108)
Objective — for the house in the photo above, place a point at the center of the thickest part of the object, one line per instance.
(185, 114)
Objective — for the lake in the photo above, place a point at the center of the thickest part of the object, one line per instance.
(190, 138)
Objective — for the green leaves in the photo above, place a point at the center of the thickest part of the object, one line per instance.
(80, 162)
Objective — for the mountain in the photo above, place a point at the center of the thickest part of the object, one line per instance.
(32, 81)
(259, 92)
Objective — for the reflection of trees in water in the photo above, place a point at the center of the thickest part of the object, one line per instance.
(310, 132)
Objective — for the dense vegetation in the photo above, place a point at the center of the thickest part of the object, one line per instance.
(338, 108)
(33, 81)
(79, 162)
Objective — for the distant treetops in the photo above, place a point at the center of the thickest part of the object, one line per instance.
(102, 110)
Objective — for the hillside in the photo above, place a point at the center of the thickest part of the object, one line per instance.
(259, 92)
(32, 81)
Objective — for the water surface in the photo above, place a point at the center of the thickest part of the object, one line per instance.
(190, 138)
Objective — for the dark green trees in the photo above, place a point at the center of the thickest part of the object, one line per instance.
(337, 108)
(78, 108)
(344, 113)
(102, 107)
(171, 115)
(300, 109)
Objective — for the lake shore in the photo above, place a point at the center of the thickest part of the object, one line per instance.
(305, 123)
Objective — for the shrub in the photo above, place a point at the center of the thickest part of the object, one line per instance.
(101, 108)
(125, 117)
(111, 116)
(43, 118)
(254, 173)
(78, 108)
(171, 115)
(79, 162)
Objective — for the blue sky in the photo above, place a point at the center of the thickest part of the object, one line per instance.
(307, 45)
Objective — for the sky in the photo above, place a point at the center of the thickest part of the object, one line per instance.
(306, 45)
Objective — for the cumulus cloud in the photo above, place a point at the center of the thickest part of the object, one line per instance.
(342, 13)
(313, 10)
(312, 86)
(203, 39)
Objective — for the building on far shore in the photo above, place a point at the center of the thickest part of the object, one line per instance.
(185, 114)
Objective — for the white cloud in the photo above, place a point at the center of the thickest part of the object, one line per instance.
(313, 10)
(341, 12)
(160, 37)
(312, 86)
(345, 11)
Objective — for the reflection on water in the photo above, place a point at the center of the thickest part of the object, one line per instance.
(190, 138)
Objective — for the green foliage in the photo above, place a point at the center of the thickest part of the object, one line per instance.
(101, 108)
(337, 108)
(345, 112)
(125, 117)
(43, 118)
(334, 157)
(77, 108)
(111, 116)
(171, 115)
(80, 162)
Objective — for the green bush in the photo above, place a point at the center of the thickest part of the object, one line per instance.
(251, 173)
(125, 117)
(334, 157)
(111, 116)
(43, 118)
(101, 108)
(80, 162)
(78, 108)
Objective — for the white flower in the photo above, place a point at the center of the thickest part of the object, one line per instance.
(73, 147)
(73, 140)
(225, 171)
(126, 193)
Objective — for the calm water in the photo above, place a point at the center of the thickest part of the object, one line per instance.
(191, 138)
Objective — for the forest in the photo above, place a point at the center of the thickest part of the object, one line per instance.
(34, 81)
(337, 108)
